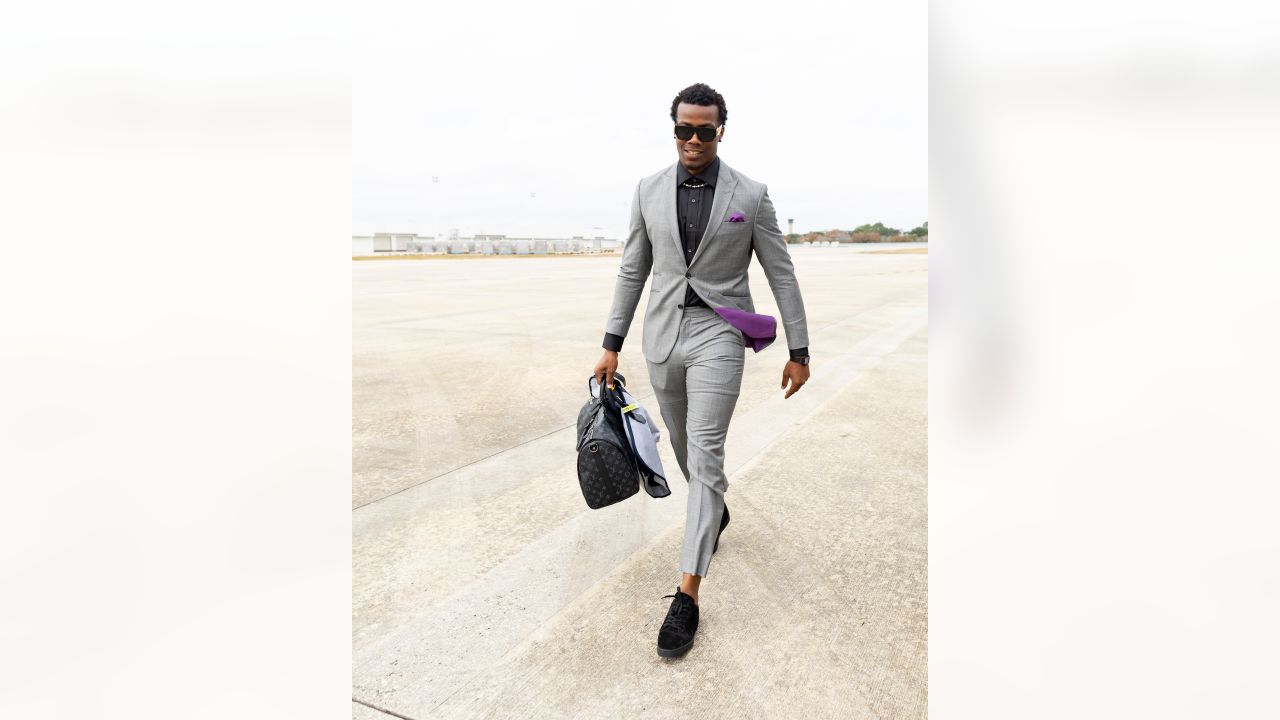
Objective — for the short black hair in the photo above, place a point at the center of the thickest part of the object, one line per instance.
(700, 94)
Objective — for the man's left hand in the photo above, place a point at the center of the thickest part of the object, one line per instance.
(796, 373)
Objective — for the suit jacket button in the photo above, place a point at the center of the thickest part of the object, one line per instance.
(688, 274)
(680, 306)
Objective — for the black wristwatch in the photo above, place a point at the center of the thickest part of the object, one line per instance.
(803, 360)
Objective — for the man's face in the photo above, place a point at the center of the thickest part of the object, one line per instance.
(696, 155)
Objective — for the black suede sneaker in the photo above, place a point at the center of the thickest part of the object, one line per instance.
(724, 520)
(676, 635)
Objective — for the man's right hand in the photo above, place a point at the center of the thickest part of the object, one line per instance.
(605, 369)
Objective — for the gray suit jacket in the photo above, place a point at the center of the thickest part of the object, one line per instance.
(718, 270)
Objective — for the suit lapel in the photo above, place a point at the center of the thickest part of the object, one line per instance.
(725, 183)
(673, 217)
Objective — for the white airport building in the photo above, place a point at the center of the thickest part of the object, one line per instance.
(411, 243)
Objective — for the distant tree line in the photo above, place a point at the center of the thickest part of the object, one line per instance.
(871, 232)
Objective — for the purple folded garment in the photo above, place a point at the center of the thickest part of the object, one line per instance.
(758, 331)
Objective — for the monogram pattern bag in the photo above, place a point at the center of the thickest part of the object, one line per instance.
(607, 469)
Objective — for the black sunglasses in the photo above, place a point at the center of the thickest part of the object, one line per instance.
(705, 134)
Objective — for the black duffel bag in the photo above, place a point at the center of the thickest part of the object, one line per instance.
(607, 468)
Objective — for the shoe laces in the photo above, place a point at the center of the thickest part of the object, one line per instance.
(681, 609)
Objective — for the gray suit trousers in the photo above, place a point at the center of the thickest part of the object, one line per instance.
(697, 388)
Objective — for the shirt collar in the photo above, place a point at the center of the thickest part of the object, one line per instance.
(708, 176)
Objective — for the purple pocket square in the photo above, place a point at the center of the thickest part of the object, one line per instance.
(737, 217)
(758, 331)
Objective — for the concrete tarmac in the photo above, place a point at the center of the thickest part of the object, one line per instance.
(483, 587)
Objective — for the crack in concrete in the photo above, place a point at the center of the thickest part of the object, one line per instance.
(384, 711)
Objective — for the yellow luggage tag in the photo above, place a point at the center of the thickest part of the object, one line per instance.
(628, 408)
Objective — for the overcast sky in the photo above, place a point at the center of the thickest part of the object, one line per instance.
(827, 105)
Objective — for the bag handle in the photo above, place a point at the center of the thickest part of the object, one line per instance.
(618, 379)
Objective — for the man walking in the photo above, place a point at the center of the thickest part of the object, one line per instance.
(695, 225)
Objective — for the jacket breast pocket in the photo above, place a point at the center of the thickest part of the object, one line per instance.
(735, 232)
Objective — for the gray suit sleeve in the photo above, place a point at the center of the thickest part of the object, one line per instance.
(771, 248)
(637, 260)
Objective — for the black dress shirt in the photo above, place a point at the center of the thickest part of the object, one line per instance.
(694, 195)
